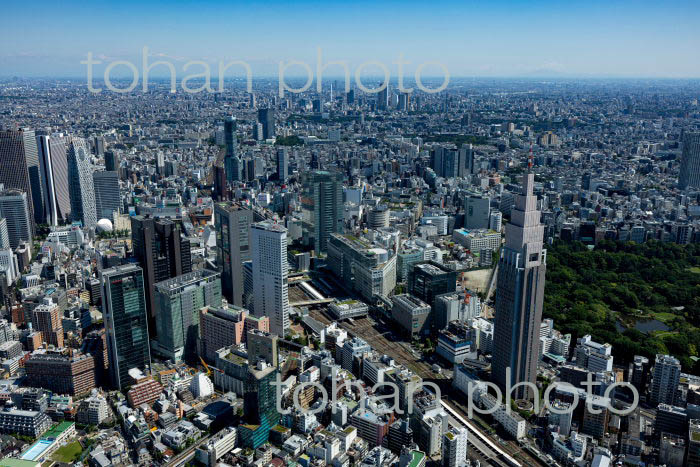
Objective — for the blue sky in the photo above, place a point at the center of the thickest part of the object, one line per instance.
(472, 38)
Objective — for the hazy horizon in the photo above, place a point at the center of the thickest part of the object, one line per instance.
(507, 39)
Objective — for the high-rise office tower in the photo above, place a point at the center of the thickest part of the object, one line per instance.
(99, 143)
(519, 295)
(270, 271)
(350, 97)
(111, 161)
(253, 168)
(282, 164)
(466, 164)
(20, 169)
(220, 187)
(445, 161)
(322, 207)
(477, 211)
(232, 223)
(258, 131)
(54, 178)
(259, 405)
(404, 101)
(178, 301)
(689, 176)
(160, 164)
(383, 98)
(665, 379)
(232, 161)
(126, 323)
(267, 118)
(586, 181)
(107, 195)
(495, 221)
(80, 185)
(15, 208)
(161, 252)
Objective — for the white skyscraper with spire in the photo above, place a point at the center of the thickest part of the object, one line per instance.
(270, 272)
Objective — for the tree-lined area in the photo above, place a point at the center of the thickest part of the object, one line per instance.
(616, 288)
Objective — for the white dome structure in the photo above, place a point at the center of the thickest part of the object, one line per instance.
(104, 225)
(201, 386)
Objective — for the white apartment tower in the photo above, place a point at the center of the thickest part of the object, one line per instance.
(454, 447)
(665, 380)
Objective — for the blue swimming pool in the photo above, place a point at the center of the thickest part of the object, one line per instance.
(36, 450)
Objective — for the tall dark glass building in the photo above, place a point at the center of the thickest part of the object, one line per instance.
(232, 223)
(519, 295)
(282, 164)
(232, 161)
(259, 406)
(20, 168)
(161, 252)
(111, 161)
(690, 161)
(430, 279)
(322, 207)
(266, 117)
(126, 323)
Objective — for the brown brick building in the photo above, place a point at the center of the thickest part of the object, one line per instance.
(63, 372)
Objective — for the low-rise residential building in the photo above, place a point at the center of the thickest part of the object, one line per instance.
(511, 421)
(145, 392)
(24, 422)
(93, 410)
(217, 446)
(478, 239)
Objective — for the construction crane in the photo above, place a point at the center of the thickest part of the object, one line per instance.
(205, 366)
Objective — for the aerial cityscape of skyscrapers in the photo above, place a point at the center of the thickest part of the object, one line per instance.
(443, 234)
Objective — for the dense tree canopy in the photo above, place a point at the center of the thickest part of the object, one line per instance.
(606, 291)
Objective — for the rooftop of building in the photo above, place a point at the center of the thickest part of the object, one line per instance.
(185, 280)
(430, 269)
(417, 458)
(409, 300)
(269, 225)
